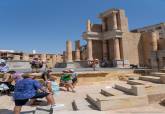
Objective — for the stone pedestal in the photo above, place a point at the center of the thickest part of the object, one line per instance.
(118, 63)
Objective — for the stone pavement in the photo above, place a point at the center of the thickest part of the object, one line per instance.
(6, 103)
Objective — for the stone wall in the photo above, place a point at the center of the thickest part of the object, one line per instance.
(97, 49)
(131, 44)
(96, 28)
(162, 44)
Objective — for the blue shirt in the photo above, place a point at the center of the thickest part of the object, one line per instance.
(26, 89)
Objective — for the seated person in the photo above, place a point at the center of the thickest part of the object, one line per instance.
(7, 81)
(66, 80)
(3, 66)
(26, 89)
(46, 75)
(53, 86)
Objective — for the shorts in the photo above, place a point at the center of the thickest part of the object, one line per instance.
(67, 82)
(74, 80)
(22, 102)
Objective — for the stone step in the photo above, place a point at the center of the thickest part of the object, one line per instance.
(111, 92)
(43, 110)
(94, 97)
(140, 82)
(81, 112)
(157, 74)
(150, 78)
(82, 104)
(124, 87)
(117, 102)
(28, 112)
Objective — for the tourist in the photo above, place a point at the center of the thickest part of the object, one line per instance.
(6, 83)
(66, 80)
(74, 77)
(36, 64)
(94, 64)
(3, 66)
(17, 76)
(53, 86)
(46, 75)
(26, 89)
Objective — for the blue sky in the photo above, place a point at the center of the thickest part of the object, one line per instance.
(45, 25)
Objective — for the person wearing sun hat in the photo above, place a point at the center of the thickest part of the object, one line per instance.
(74, 77)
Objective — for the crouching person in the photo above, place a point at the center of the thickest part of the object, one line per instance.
(26, 89)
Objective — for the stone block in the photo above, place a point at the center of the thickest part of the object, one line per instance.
(162, 79)
(139, 90)
(124, 87)
(111, 92)
(150, 78)
(125, 101)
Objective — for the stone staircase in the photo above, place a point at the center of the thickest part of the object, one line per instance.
(139, 92)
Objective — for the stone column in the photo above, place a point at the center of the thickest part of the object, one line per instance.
(43, 57)
(103, 25)
(116, 49)
(154, 41)
(25, 57)
(77, 50)
(64, 56)
(69, 51)
(105, 50)
(54, 60)
(114, 20)
(88, 25)
(89, 49)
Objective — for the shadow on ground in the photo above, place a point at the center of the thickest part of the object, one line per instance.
(6, 111)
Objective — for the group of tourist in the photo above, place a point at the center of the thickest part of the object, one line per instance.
(68, 80)
(26, 87)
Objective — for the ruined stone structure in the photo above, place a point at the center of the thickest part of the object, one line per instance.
(154, 45)
(157, 27)
(52, 59)
(111, 41)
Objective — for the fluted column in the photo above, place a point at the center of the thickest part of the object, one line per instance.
(89, 49)
(114, 20)
(77, 50)
(69, 51)
(116, 49)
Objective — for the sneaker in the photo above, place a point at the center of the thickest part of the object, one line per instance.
(57, 106)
